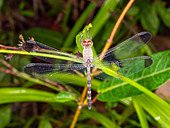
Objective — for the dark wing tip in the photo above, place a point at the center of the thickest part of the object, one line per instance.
(29, 68)
(39, 68)
(148, 61)
(145, 36)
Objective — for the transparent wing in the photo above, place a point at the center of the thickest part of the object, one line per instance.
(33, 46)
(126, 48)
(61, 73)
(67, 73)
(127, 67)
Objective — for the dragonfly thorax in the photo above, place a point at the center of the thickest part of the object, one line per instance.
(87, 56)
(87, 42)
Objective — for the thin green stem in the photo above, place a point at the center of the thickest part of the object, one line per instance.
(42, 54)
(141, 114)
(57, 52)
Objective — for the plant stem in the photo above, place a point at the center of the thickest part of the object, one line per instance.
(79, 108)
(110, 40)
(14, 71)
(101, 57)
(42, 54)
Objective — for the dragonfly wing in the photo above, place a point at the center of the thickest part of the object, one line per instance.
(128, 67)
(33, 46)
(61, 73)
(126, 48)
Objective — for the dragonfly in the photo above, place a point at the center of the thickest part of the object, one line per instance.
(117, 56)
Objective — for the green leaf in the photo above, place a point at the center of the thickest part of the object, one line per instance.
(128, 111)
(85, 36)
(45, 36)
(1, 3)
(21, 6)
(105, 121)
(70, 38)
(27, 13)
(141, 114)
(102, 16)
(69, 78)
(63, 77)
(44, 123)
(5, 115)
(9, 95)
(150, 20)
(158, 111)
(134, 10)
(164, 13)
(152, 77)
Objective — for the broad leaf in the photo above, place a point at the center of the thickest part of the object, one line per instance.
(150, 21)
(164, 13)
(9, 95)
(152, 77)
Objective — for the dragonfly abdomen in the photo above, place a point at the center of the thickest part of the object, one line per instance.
(88, 59)
(88, 88)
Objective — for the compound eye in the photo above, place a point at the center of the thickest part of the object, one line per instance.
(90, 43)
(84, 43)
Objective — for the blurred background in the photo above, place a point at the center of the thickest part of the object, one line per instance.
(56, 23)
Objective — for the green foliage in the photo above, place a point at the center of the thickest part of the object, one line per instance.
(52, 38)
(113, 90)
(34, 19)
(164, 13)
(141, 114)
(68, 78)
(9, 95)
(5, 115)
(159, 112)
(105, 121)
(83, 35)
(150, 21)
(102, 16)
(25, 12)
(44, 124)
(133, 11)
(69, 40)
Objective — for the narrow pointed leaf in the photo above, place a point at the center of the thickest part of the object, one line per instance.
(9, 95)
(44, 123)
(141, 114)
(158, 111)
(105, 121)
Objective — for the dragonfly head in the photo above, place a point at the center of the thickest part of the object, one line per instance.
(87, 42)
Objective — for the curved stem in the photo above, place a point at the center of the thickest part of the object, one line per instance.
(107, 45)
(79, 107)
(41, 54)
(110, 40)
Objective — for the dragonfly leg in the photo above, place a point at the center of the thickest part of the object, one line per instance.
(81, 38)
(89, 36)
